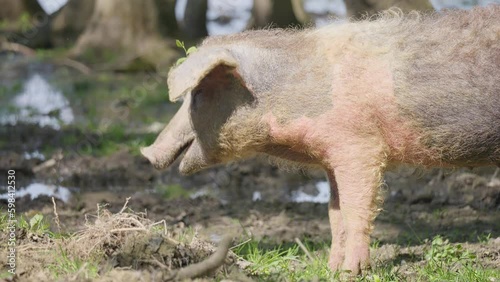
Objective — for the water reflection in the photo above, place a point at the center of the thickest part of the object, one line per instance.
(228, 16)
(39, 104)
(323, 195)
(35, 190)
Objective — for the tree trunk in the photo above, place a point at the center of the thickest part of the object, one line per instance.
(194, 23)
(27, 23)
(300, 13)
(361, 8)
(122, 31)
(119, 24)
(275, 13)
(261, 13)
(168, 26)
(71, 21)
(11, 10)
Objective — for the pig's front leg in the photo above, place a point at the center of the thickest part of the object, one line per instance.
(358, 175)
(337, 250)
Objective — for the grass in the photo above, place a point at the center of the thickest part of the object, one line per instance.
(65, 265)
(172, 191)
(440, 261)
(436, 259)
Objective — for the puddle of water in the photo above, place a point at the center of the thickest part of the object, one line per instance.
(228, 16)
(34, 155)
(323, 195)
(200, 193)
(257, 196)
(38, 189)
(325, 11)
(39, 104)
(461, 4)
(51, 6)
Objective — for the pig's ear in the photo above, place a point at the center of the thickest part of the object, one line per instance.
(189, 74)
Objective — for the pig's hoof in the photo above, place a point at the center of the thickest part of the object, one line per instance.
(355, 267)
(356, 261)
(335, 262)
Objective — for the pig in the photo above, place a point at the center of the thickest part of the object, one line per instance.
(352, 98)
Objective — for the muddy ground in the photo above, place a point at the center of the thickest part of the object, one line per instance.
(95, 157)
(461, 205)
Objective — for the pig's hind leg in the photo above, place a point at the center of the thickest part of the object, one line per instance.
(337, 251)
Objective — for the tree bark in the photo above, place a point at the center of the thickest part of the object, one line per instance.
(275, 13)
(300, 13)
(32, 31)
(119, 24)
(11, 10)
(359, 9)
(71, 21)
(121, 31)
(168, 26)
(194, 23)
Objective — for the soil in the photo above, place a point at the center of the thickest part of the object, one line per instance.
(461, 205)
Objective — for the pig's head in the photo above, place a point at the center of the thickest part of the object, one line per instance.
(210, 121)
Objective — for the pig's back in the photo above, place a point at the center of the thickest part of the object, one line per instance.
(447, 81)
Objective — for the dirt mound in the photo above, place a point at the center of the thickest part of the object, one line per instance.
(110, 243)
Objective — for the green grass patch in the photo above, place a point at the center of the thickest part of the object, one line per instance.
(66, 266)
(284, 263)
(441, 261)
(173, 191)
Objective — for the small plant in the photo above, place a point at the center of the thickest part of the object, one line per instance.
(442, 253)
(188, 51)
(37, 225)
(484, 238)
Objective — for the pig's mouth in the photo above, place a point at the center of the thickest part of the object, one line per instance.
(161, 158)
(182, 149)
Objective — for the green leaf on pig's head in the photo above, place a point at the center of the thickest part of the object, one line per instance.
(191, 50)
(180, 61)
(179, 43)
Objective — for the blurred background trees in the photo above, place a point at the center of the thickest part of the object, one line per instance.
(132, 34)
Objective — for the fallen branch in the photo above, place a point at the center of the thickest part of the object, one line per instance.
(17, 48)
(202, 268)
(75, 65)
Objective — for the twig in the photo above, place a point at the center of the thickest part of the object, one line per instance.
(414, 233)
(75, 277)
(47, 164)
(160, 264)
(240, 244)
(127, 229)
(125, 205)
(56, 219)
(211, 263)
(75, 65)
(495, 173)
(304, 249)
(165, 231)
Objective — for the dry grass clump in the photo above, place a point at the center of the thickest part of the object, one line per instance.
(109, 231)
(129, 240)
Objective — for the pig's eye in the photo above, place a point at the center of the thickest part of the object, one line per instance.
(197, 97)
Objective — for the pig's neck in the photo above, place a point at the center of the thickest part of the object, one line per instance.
(289, 82)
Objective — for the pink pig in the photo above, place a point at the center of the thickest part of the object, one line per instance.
(353, 99)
